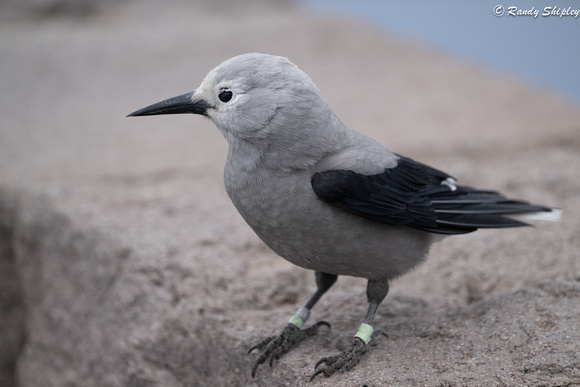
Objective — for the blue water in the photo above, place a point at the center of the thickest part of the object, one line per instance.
(544, 50)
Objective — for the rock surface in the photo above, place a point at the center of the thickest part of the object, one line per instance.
(123, 263)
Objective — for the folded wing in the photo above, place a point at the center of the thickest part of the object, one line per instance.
(418, 196)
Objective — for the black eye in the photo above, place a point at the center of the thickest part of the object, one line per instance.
(225, 95)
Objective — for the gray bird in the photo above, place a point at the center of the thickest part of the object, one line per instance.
(324, 196)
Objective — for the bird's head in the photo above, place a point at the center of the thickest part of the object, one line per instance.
(248, 96)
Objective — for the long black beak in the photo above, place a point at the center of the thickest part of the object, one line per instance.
(177, 105)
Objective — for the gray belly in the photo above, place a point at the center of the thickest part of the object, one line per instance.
(288, 216)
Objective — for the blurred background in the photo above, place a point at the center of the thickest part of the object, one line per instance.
(540, 46)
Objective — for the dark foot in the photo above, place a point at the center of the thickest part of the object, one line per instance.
(346, 360)
(273, 346)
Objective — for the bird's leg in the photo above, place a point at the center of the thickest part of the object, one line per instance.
(273, 346)
(364, 338)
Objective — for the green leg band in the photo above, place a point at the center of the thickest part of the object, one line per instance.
(365, 331)
(296, 320)
(300, 317)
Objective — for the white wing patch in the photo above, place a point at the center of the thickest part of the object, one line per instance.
(450, 182)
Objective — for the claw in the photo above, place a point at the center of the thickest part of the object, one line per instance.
(321, 323)
(323, 360)
(346, 360)
(255, 368)
(274, 346)
(261, 344)
(315, 375)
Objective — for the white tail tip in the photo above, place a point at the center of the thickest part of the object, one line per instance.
(551, 216)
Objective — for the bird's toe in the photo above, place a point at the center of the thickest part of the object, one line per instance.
(274, 346)
(346, 360)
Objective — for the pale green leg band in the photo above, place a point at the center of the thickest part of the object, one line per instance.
(365, 331)
(300, 317)
(296, 320)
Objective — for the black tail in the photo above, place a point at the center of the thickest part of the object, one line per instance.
(467, 209)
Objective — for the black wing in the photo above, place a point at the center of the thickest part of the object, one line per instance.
(418, 196)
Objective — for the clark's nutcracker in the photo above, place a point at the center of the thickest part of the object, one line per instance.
(325, 197)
